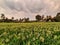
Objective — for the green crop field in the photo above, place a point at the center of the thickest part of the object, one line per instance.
(39, 33)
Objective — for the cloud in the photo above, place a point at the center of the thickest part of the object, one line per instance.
(27, 8)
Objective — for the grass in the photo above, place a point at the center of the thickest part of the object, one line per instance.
(40, 33)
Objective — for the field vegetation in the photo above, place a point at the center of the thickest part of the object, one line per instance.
(38, 33)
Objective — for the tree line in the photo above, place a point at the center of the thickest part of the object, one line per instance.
(48, 18)
(38, 18)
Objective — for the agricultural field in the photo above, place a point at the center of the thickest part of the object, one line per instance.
(39, 33)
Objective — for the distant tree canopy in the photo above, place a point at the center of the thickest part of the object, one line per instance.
(57, 18)
(2, 16)
(58, 14)
(27, 19)
(49, 18)
(12, 18)
(6, 19)
(38, 17)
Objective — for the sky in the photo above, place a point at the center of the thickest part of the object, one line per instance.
(29, 8)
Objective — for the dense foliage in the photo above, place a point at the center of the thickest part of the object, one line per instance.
(30, 33)
(57, 18)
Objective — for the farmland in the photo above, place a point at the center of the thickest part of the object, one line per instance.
(39, 33)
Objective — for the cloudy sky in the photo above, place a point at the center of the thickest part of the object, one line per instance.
(29, 8)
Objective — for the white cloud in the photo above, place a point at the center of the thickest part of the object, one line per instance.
(27, 8)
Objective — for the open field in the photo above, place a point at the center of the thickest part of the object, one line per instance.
(40, 33)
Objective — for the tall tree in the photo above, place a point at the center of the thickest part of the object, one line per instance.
(2, 16)
(49, 18)
(38, 17)
(26, 19)
(12, 18)
(57, 18)
(58, 14)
